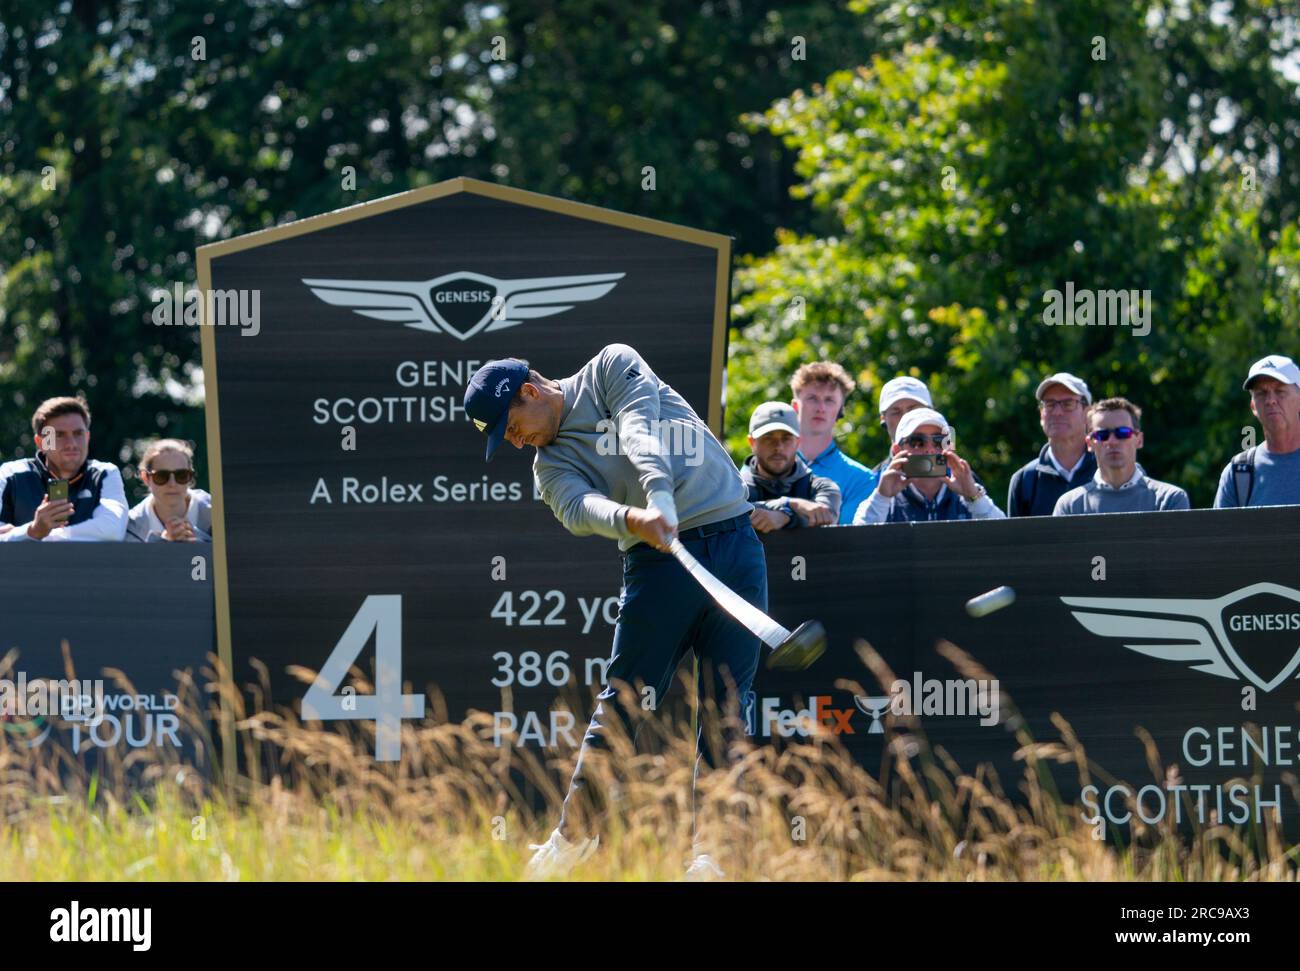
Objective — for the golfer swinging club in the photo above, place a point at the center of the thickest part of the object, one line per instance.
(668, 477)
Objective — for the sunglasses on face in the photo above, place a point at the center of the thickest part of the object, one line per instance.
(920, 441)
(1123, 433)
(163, 476)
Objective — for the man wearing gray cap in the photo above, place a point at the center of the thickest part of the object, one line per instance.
(1064, 463)
(785, 492)
(1269, 473)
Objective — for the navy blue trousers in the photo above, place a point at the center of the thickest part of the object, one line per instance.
(663, 613)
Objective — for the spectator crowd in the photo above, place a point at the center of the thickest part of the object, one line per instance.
(798, 477)
(796, 474)
(63, 495)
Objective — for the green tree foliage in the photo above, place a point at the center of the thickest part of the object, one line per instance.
(594, 91)
(167, 124)
(993, 151)
(134, 133)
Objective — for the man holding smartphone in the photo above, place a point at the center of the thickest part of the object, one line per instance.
(61, 495)
(926, 480)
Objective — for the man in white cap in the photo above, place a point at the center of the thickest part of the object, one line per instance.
(948, 494)
(898, 396)
(1269, 473)
(785, 492)
(1064, 463)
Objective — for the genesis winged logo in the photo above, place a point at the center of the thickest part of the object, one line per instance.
(463, 304)
(1251, 634)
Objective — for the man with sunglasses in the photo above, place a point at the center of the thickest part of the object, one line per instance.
(900, 498)
(95, 507)
(1064, 463)
(1269, 473)
(1119, 485)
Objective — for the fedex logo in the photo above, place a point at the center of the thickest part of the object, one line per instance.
(767, 718)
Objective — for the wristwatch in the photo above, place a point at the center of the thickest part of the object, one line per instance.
(980, 493)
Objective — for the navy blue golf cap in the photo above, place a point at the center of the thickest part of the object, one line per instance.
(488, 396)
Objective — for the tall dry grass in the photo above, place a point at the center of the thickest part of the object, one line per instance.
(309, 803)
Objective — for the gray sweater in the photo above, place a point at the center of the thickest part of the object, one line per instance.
(624, 433)
(1143, 495)
(1277, 481)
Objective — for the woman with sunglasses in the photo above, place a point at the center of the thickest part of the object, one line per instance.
(172, 511)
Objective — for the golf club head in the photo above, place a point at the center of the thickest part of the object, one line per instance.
(806, 644)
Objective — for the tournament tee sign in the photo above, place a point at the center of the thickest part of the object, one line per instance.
(356, 521)
(1169, 642)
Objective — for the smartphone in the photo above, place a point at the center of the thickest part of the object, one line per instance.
(925, 467)
(58, 490)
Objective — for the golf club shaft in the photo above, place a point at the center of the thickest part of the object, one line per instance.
(768, 631)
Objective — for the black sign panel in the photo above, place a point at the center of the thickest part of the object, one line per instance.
(145, 610)
(356, 519)
(1185, 625)
(357, 524)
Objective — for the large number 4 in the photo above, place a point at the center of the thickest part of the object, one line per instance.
(381, 613)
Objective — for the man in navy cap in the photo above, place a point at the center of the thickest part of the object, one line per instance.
(621, 454)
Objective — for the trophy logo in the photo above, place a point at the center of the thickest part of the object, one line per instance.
(749, 705)
(875, 706)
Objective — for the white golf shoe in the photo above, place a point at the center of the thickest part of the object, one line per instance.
(703, 869)
(557, 856)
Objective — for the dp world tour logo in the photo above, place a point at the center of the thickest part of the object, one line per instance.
(30, 733)
(1252, 634)
(463, 304)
